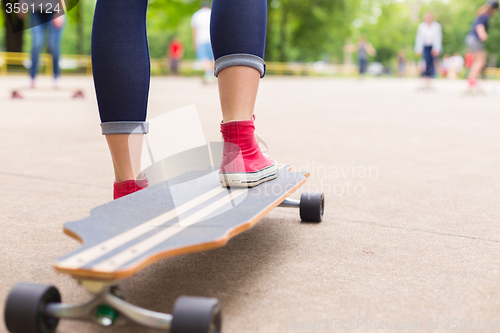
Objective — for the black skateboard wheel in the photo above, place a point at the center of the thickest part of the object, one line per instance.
(196, 315)
(25, 306)
(312, 207)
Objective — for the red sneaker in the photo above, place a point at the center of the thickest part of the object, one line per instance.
(243, 162)
(126, 187)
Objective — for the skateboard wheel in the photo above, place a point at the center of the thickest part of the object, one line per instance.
(25, 306)
(312, 207)
(196, 315)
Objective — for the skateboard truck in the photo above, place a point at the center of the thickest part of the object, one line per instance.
(106, 307)
(34, 308)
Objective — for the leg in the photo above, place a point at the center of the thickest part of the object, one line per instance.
(205, 54)
(208, 61)
(433, 66)
(429, 65)
(126, 152)
(362, 66)
(238, 33)
(480, 59)
(55, 47)
(37, 33)
(208, 67)
(239, 53)
(120, 60)
(238, 88)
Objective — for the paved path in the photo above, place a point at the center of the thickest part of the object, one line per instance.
(410, 237)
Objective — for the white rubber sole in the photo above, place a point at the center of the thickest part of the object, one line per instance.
(249, 179)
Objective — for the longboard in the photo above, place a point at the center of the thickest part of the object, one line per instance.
(188, 213)
(17, 93)
(474, 92)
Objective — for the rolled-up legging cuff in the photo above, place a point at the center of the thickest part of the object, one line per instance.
(240, 59)
(125, 127)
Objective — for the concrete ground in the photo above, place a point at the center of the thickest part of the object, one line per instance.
(410, 238)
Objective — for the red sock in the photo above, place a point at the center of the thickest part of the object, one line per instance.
(126, 187)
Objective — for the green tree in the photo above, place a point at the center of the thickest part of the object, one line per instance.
(301, 30)
(306, 30)
(388, 27)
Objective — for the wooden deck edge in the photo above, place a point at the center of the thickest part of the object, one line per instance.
(124, 274)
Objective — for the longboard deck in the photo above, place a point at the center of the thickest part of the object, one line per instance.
(46, 88)
(75, 92)
(186, 214)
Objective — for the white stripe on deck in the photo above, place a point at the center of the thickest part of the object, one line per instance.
(111, 264)
(83, 258)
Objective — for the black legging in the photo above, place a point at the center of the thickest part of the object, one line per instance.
(430, 70)
(120, 55)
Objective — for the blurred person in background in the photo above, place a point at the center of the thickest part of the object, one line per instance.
(45, 18)
(475, 41)
(445, 65)
(421, 66)
(401, 63)
(429, 43)
(175, 54)
(469, 61)
(200, 22)
(455, 66)
(364, 49)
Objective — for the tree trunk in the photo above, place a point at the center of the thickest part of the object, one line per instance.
(282, 41)
(79, 29)
(267, 53)
(13, 40)
(415, 11)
